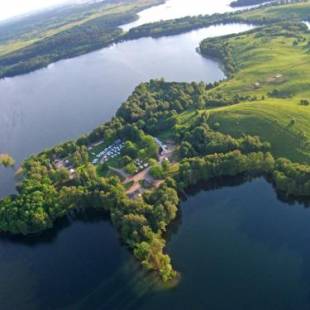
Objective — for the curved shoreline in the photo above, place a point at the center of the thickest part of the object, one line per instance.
(116, 36)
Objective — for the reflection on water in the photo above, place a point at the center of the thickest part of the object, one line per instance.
(65, 264)
(239, 247)
(230, 237)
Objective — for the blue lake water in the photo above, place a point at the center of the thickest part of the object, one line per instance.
(239, 247)
(236, 245)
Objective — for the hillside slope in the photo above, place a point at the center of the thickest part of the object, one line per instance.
(272, 66)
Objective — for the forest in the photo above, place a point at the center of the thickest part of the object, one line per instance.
(239, 3)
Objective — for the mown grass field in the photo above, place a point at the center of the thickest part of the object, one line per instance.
(266, 62)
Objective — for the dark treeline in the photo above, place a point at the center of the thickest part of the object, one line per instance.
(290, 178)
(181, 25)
(200, 140)
(76, 41)
(239, 3)
(80, 39)
(221, 50)
(199, 169)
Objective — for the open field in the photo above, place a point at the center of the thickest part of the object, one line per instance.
(273, 69)
(271, 120)
(290, 11)
(270, 61)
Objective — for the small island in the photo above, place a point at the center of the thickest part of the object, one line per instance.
(6, 160)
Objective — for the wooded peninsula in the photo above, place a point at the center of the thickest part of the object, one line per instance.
(169, 136)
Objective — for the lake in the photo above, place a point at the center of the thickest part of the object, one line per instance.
(239, 247)
(232, 249)
(235, 243)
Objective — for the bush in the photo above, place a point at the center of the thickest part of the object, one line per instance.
(131, 168)
(304, 102)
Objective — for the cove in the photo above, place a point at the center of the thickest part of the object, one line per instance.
(238, 246)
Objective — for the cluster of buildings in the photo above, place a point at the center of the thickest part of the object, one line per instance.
(65, 163)
(141, 164)
(109, 152)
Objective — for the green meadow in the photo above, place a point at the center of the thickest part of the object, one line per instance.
(273, 69)
(299, 10)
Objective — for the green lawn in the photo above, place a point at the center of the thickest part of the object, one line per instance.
(285, 12)
(271, 120)
(266, 62)
(262, 59)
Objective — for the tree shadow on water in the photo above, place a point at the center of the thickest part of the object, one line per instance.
(86, 216)
(229, 181)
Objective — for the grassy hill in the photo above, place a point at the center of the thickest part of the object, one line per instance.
(272, 121)
(275, 57)
(272, 66)
(287, 10)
